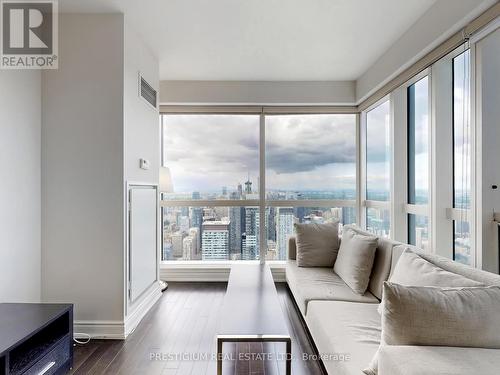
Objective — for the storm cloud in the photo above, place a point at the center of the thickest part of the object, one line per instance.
(305, 143)
(205, 152)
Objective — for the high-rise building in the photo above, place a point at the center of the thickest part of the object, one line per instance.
(235, 232)
(337, 213)
(250, 242)
(248, 187)
(196, 216)
(188, 248)
(284, 229)
(177, 249)
(215, 240)
(184, 223)
(221, 212)
(348, 215)
(300, 213)
(271, 223)
(191, 246)
(167, 250)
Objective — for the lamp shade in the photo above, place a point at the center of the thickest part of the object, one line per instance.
(165, 181)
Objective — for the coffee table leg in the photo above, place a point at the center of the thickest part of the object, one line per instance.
(289, 357)
(219, 356)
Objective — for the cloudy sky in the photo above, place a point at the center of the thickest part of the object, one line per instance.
(206, 152)
(378, 149)
(422, 127)
(461, 127)
(303, 152)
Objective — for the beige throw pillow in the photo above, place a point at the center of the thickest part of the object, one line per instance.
(317, 244)
(355, 260)
(465, 317)
(413, 270)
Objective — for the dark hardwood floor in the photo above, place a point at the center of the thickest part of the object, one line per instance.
(177, 337)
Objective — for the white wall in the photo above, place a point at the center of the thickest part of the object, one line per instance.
(141, 121)
(488, 84)
(441, 21)
(20, 119)
(83, 169)
(258, 92)
(141, 140)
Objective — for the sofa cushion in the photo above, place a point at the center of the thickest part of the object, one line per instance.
(292, 248)
(318, 283)
(344, 328)
(414, 270)
(355, 260)
(486, 278)
(317, 244)
(465, 317)
(437, 360)
(382, 262)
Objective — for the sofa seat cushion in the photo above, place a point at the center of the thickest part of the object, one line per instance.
(320, 283)
(348, 328)
(437, 360)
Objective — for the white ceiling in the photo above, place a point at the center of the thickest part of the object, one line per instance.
(294, 40)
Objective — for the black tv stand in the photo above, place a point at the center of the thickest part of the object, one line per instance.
(36, 339)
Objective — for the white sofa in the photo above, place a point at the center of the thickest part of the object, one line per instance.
(346, 327)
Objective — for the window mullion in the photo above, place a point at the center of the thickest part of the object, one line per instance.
(262, 189)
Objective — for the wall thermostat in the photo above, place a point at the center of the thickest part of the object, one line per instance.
(144, 164)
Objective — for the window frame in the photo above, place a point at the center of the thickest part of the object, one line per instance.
(436, 212)
(456, 214)
(262, 203)
(419, 209)
(364, 202)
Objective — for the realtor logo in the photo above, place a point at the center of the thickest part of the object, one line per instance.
(28, 34)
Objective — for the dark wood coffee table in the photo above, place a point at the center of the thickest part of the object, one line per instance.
(252, 311)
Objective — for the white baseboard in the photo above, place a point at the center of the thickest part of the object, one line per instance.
(99, 329)
(115, 329)
(195, 274)
(198, 273)
(140, 308)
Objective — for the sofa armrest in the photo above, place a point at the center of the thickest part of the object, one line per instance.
(292, 248)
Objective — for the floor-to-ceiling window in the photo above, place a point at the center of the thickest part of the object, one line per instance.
(418, 141)
(377, 140)
(461, 158)
(212, 211)
(218, 163)
(242, 179)
(310, 173)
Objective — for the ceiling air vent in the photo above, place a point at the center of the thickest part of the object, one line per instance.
(147, 92)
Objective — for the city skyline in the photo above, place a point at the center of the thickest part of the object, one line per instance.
(211, 157)
(241, 241)
(232, 233)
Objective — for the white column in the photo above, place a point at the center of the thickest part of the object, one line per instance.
(399, 165)
(441, 124)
